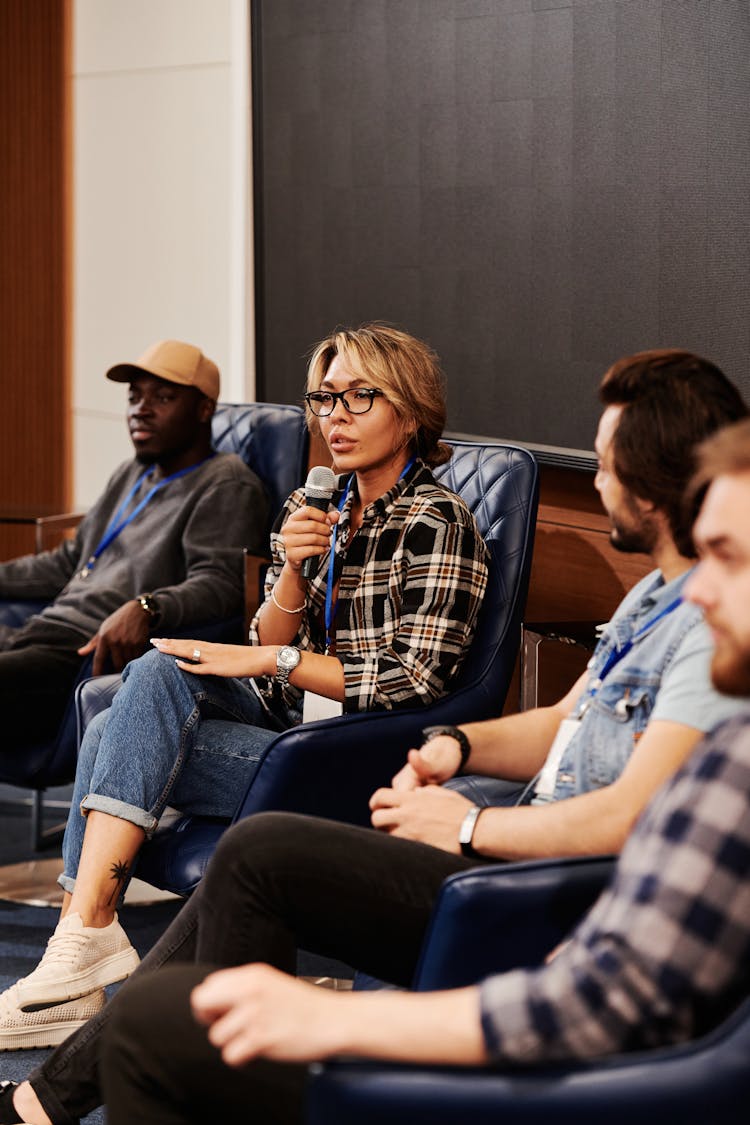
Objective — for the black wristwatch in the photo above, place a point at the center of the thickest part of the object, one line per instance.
(147, 602)
(428, 733)
(466, 831)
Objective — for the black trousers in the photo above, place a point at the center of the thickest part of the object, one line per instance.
(158, 1067)
(278, 882)
(39, 664)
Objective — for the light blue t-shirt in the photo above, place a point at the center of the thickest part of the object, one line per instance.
(665, 675)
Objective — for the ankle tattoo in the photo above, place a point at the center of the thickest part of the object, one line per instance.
(118, 872)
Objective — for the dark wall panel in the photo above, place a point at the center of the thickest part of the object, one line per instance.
(537, 187)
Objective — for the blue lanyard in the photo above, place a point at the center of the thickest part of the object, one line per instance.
(330, 609)
(619, 654)
(117, 524)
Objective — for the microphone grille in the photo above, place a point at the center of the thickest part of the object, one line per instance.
(321, 482)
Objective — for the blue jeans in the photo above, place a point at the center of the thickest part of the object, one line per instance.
(193, 742)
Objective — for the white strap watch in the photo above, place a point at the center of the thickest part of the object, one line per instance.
(466, 831)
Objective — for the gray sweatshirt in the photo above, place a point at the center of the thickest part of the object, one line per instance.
(185, 547)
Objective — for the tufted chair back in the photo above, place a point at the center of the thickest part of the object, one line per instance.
(272, 440)
(498, 482)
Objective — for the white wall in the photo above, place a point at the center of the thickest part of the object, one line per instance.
(162, 204)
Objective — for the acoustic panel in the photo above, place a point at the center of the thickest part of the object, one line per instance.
(537, 187)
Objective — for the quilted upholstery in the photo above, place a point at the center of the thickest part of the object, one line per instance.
(271, 438)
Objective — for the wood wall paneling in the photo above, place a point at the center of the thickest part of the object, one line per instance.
(576, 575)
(34, 259)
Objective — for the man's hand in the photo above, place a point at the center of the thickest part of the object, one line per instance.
(435, 762)
(430, 815)
(121, 637)
(256, 1011)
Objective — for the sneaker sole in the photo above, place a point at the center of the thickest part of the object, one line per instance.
(33, 996)
(51, 1036)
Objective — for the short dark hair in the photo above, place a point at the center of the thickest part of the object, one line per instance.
(672, 400)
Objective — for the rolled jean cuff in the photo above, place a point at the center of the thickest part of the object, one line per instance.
(67, 884)
(97, 803)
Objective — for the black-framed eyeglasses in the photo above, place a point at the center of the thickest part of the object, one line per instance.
(356, 401)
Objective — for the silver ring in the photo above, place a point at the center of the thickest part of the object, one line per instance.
(196, 654)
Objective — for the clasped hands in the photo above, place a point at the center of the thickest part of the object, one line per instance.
(416, 807)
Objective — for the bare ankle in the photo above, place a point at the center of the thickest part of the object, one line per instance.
(94, 916)
(27, 1105)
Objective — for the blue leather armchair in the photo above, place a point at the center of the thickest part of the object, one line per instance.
(492, 919)
(330, 768)
(273, 440)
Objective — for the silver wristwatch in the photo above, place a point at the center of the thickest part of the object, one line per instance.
(287, 659)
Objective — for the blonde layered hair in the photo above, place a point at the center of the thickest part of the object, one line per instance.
(405, 369)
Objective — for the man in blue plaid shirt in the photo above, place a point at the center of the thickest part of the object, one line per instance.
(661, 957)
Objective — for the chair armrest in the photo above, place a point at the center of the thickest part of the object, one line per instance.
(707, 1080)
(15, 611)
(505, 916)
(92, 696)
(255, 573)
(330, 768)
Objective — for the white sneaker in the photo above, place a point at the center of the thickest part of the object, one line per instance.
(78, 960)
(48, 1026)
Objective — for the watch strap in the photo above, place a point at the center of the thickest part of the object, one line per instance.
(428, 733)
(148, 604)
(467, 830)
(283, 671)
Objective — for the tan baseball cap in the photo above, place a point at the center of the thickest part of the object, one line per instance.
(177, 363)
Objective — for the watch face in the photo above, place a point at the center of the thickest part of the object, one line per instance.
(288, 657)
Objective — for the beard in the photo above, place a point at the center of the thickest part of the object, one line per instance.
(633, 540)
(730, 668)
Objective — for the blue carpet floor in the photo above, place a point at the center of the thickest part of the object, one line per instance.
(23, 935)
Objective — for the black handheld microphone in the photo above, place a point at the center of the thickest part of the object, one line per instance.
(319, 487)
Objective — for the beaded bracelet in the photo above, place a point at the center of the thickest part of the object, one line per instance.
(278, 605)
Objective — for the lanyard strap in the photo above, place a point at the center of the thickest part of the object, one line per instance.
(119, 522)
(619, 654)
(330, 608)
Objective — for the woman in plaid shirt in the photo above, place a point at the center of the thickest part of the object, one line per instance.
(399, 573)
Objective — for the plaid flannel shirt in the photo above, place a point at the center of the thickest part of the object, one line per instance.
(665, 952)
(411, 584)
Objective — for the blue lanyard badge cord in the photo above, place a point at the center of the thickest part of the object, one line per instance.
(330, 607)
(619, 654)
(119, 521)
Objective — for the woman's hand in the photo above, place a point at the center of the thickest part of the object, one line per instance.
(203, 658)
(307, 533)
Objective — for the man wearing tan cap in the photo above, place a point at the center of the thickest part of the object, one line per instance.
(162, 546)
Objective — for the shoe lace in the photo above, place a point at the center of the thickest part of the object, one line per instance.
(62, 947)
